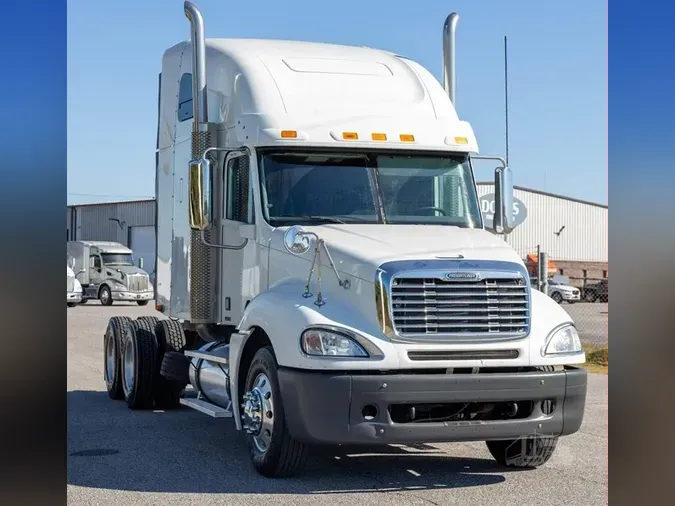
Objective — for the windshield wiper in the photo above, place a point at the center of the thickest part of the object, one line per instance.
(331, 219)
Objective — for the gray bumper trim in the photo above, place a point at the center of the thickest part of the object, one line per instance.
(327, 407)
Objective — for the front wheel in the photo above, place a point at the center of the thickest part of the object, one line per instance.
(525, 452)
(557, 297)
(71, 304)
(142, 302)
(274, 453)
(105, 296)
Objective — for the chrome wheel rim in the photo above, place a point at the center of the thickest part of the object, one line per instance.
(129, 362)
(105, 295)
(110, 359)
(258, 408)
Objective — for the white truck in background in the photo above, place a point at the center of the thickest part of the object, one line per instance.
(323, 262)
(73, 287)
(560, 289)
(107, 272)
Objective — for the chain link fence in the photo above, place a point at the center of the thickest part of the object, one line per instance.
(584, 298)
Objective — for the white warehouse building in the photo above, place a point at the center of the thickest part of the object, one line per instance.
(573, 232)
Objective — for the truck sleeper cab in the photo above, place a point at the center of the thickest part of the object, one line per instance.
(325, 268)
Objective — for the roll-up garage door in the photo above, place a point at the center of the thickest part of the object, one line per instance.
(142, 242)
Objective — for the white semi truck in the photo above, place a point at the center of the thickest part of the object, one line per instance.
(107, 272)
(324, 266)
(73, 287)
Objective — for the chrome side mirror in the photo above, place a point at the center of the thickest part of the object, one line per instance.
(504, 217)
(296, 240)
(200, 199)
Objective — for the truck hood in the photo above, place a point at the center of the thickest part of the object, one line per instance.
(114, 270)
(360, 249)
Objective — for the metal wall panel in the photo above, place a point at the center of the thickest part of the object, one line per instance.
(584, 238)
(111, 222)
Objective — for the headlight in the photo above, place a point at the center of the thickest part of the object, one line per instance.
(327, 343)
(562, 341)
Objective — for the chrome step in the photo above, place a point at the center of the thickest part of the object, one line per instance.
(205, 355)
(193, 401)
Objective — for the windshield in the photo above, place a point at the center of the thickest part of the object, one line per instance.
(363, 187)
(117, 259)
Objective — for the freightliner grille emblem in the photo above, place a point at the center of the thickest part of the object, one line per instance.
(461, 276)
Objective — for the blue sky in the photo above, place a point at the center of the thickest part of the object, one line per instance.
(557, 78)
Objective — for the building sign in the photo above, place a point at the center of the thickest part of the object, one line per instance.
(487, 209)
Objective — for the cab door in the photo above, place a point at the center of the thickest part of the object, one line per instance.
(239, 269)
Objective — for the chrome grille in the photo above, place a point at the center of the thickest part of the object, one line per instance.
(494, 306)
(137, 282)
(70, 284)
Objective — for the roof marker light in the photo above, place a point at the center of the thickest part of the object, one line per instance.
(350, 136)
(407, 138)
(289, 134)
(461, 140)
(379, 137)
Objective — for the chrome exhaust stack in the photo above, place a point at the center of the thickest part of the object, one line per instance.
(204, 270)
(199, 105)
(449, 29)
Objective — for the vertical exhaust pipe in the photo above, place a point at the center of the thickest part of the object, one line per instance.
(199, 106)
(204, 269)
(449, 29)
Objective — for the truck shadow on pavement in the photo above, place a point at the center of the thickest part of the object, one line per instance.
(112, 447)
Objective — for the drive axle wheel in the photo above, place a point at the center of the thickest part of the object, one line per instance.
(112, 346)
(274, 453)
(138, 364)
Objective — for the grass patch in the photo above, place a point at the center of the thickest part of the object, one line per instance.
(597, 359)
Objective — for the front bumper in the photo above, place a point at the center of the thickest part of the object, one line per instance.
(74, 297)
(328, 407)
(133, 296)
(571, 295)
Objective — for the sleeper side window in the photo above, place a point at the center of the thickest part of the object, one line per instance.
(185, 98)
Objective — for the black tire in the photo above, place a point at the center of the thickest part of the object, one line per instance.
(71, 304)
(526, 452)
(114, 334)
(284, 456)
(142, 302)
(175, 368)
(140, 341)
(557, 297)
(590, 296)
(151, 319)
(84, 301)
(172, 375)
(170, 335)
(105, 296)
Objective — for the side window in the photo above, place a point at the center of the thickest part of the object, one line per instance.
(95, 262)
(185, 98)
(238, 190)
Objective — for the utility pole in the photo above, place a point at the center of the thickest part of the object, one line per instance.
(506, 97)
(538, 267)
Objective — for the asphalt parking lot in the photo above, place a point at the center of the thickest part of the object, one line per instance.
(123, 457)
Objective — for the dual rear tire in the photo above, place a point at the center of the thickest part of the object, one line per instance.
(134, 352)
